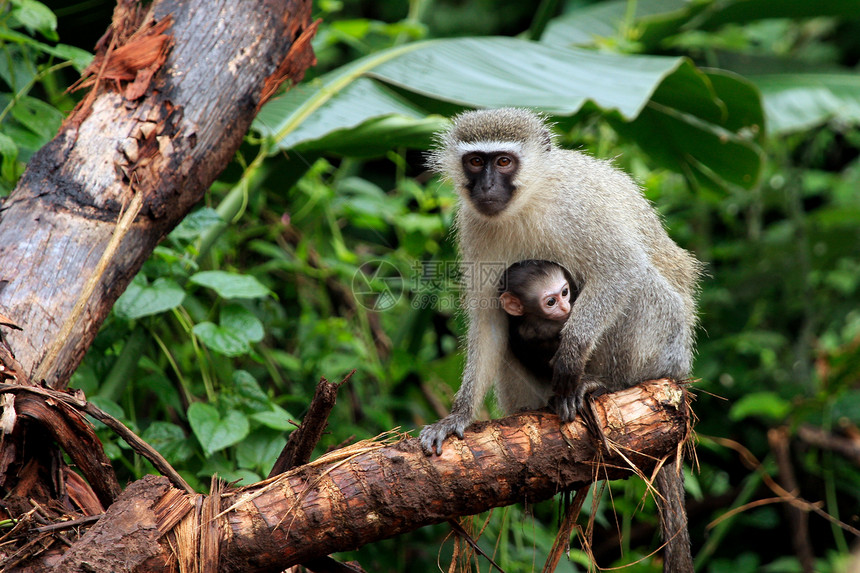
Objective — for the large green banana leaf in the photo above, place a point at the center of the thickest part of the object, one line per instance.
(704, 124)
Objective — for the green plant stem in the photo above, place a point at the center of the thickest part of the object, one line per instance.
(629, 18)
(200, 352)
(830, 489)
(24, 90)
(183, 383)
(627, 519)
(751, 484)
(234, 203)
(124, 366)
(367, 337)
(416, 11)
(544, 13)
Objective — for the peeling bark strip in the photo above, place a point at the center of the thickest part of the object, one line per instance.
(143, 54)
(186, 117)
(74, 434)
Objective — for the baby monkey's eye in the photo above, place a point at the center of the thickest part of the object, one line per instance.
(551, 301)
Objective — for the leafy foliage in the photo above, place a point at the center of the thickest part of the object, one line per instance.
(327, 247)
(28, 65)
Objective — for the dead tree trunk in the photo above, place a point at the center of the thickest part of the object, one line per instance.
(174, 88)
(177, 87)
(369, 492)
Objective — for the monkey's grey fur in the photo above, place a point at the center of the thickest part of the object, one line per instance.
(635, 315)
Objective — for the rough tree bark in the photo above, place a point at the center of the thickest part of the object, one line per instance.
(367, 493)
(176, 84)
(163, 138)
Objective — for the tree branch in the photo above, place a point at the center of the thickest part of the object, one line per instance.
(371, 491)
(304, 439)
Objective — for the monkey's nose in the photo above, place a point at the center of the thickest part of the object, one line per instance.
(564, 305)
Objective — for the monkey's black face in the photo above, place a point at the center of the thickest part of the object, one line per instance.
(489, 180)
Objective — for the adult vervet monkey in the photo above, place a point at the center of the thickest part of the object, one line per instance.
(522, 197)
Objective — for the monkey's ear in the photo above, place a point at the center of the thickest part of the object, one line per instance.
(511, 304)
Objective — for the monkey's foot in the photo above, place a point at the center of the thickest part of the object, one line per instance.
(432, 436)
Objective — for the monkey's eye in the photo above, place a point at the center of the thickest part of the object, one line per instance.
(503, 161)
(564, 291)
(550, 302)
(475, 161)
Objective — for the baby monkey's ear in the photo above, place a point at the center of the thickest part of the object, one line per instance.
(511, 304)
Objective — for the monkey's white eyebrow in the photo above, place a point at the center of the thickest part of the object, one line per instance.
(490, 147)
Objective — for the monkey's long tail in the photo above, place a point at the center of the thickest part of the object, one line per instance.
(673, 520)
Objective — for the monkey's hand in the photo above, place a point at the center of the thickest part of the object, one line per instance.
(566, 376)
(433, 435)
(568, 406)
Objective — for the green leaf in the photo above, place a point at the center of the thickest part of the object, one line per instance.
(8, 147)
(242, 322)
(169, 440)
(142, 299)
(740, 11)
(249, 389)
(847, 405)
(760, 404)
(308, 113)
(277, 418)
(27, 141)
(378, 135)
(240, 477)
(230, 285)
(196, 224)
(222, 340)
(714, 137)
(238, 328)
(9, 151)
(35, 17)
(80, 58)
(668, 96)
(39, 117)
(365, 204)
(799, 101)
(260, 450)
(214, 432)
(512, 72)
(159, 386)
(653, 20)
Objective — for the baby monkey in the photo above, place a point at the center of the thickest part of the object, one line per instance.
(537, 296)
